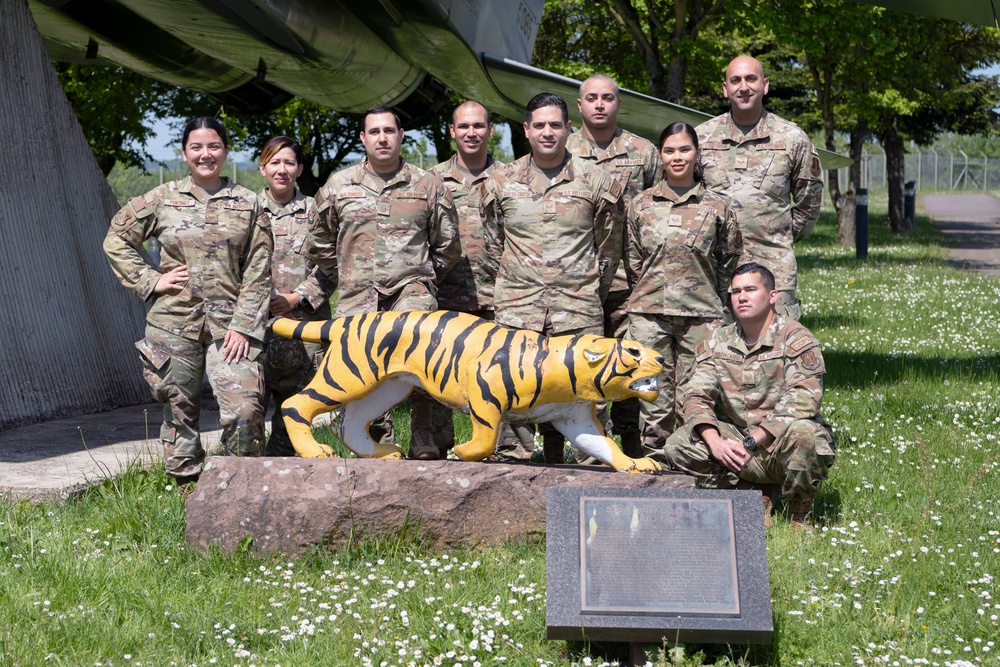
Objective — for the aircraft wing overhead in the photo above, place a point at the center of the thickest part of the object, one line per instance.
(980, 12)
(641, 114)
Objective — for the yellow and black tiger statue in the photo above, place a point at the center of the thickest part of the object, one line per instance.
(488, 371)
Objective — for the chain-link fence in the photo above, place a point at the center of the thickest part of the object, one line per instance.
(933, 171)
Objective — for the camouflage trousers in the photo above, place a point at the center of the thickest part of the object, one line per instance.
(676, 338)
(175, 367)
(518, 440)
(289, 365)
(624, 414)
(798, 461)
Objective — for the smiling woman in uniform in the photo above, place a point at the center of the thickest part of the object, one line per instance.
(207, 301)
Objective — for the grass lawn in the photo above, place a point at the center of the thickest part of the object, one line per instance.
(902, 570)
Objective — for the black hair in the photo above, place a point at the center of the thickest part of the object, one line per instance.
(205, 123)
(377, 109)
(681, 127)
(753, 267)
(546, 100)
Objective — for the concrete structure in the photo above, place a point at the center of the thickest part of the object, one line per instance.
(67, 328)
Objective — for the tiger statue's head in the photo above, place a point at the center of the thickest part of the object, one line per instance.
(610, 369)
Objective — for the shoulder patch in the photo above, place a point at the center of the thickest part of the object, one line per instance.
(810, 360)
(817, 168)
(802, 342)
(263, 219)
(138, 205)
(702, 351)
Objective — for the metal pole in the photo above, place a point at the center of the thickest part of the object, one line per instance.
(951, 173)
(161, 174)
(986, 166)
(935, 169)
(234, 170)
(920, 158)
(861, 224)
(965, 171)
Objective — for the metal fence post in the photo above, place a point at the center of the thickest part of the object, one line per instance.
(935, 168)
(920, 158)
(861, 224)
(986, 167)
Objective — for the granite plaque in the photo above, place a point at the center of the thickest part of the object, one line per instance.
(641, 565)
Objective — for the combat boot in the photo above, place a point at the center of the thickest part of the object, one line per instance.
(800, 513)
(632, 445)
(422, 447)
(552, 448)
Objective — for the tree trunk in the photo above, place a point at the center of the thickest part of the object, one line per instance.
(847, 211)
(892, 144)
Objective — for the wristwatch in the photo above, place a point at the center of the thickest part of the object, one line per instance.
(750, 443)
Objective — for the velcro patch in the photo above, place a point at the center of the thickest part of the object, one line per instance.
(773, 146)
(774, 354)
(516, 193)
(615, 189)
(139, 205)
(350, 194)
(728, 356)
(702, 351)
(809, 360)
(801, 343)
(411, 195)
(237, 205)
(179, 203)
(628, 163)
(575, 193)
(817, 168)
(713, 146)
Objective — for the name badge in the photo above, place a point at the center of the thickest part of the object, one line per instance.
(676, 220)
(741, 162)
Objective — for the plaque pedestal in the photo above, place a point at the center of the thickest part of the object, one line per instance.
(644, 565)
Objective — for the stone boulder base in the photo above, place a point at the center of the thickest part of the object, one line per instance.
(290, 504)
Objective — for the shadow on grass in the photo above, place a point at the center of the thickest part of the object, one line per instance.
(856, 370)
(832, 321)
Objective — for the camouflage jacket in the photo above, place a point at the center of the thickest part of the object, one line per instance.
(558, 242)
(291, 268)
(634, 161)
(774, 173)
(225, 241)
(469, 286)
(374, 241)
(770, 384)
(681, 252)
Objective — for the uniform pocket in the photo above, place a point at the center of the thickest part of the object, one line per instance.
(155, 363)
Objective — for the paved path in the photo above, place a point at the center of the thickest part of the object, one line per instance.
(971, 227)
(59, 458)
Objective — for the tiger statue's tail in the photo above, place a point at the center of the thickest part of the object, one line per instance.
(310, 332)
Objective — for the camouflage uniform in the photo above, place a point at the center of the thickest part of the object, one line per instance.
(776, 384)
(774, 173)
(468, 287)
(290, 364)
(225, 241)
(558, 242)
(385, 246)
(635, 162)
(680, 257)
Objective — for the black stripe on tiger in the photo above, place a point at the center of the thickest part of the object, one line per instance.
(501, 358)
(524, 350)
(435, 342)
(571, 362)
(479, 419)
(487, 394)
(324, 331)
(610, 371)
(416, 336)
(320, 398)
(299, 328)
(539, 364)
(294, 415)
(458, 349)
(390, 341)
(328, 377)
(345, 349)
(370, 341)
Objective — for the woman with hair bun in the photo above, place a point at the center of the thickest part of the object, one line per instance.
(207, 301)
(299, 289)
(683, 245)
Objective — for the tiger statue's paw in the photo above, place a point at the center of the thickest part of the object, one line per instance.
(470, 451)
(391, 456)
(314, 450)
(644, 466)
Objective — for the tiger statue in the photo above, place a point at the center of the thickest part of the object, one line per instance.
(486, 370)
